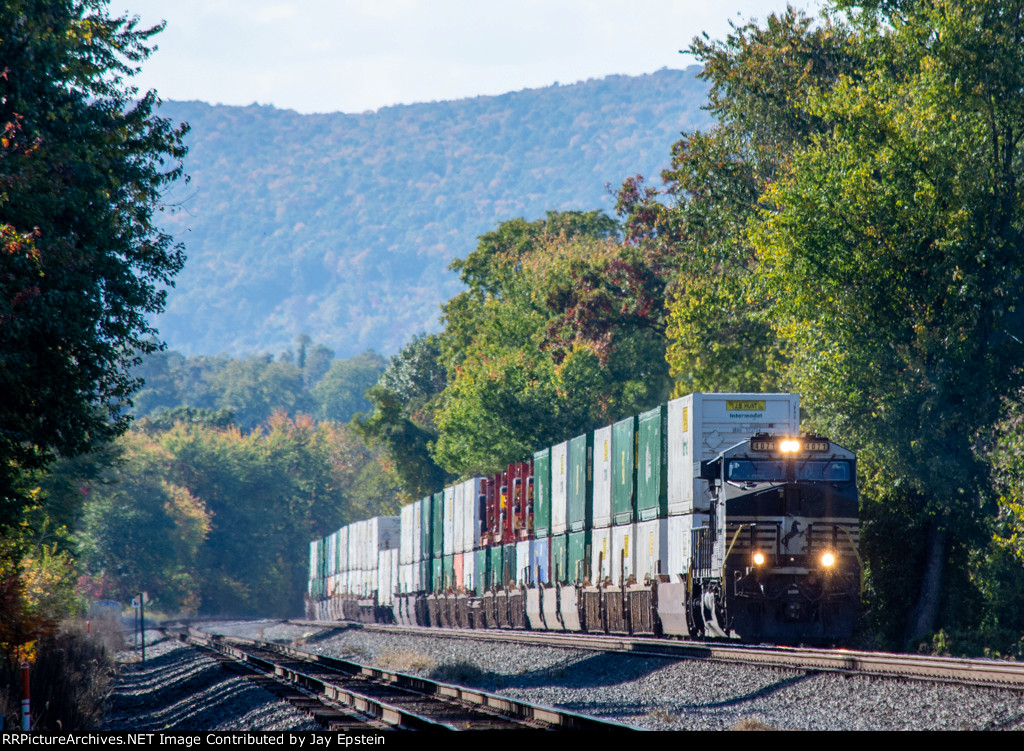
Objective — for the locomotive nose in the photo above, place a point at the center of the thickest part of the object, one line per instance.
(794, 611)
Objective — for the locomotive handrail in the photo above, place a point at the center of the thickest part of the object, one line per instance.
(728, 552)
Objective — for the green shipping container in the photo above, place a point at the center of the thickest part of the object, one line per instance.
(426, 520)
(449, 571)
(437, 525)
(509, 575)
(426, 575)
(581, 482)
(483, 572)
(559, 559)
(624, 437)
(437, 574)
(495, 577)
(579, 555)
(652, 465)
(542, 493)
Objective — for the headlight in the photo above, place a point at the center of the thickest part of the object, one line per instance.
(789, 446)
(758, 559)
(827, 560)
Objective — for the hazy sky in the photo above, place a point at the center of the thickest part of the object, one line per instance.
(357, 55)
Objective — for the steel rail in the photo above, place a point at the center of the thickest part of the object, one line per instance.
(491, 711)
(981, 672)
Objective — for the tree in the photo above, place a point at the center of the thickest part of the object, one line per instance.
(143, 532)
(402, 422)
(693, 232)
(891, 251)
(82, 264)
(555, 336)
(341, 392)
(252, 388)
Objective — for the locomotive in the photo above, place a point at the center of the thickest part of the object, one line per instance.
(778, 560)
(709, 516)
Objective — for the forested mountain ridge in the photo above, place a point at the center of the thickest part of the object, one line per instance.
(342, 226)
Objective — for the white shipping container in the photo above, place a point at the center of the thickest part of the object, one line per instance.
(652, 544)
(405, 577)
(357, 546)
(680, 536)
(417, 535)
(379, 533)
(559, 488)
(459, 520)
(700, 426)
(367, 548)
(469, 571)
(332, 541)
(383, 576)
(386, 581)
(362, 549)
(405, 547)
(343, 534)
(448, 522)
(623, 552)
(524, 560)
(393, 579)
(603, 477)
(600, 557)
(473, 495)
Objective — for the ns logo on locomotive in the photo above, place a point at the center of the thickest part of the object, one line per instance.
(706, 516)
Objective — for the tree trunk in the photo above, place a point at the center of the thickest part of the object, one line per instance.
(921, 623)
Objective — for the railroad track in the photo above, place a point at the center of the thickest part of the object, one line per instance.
(993, 673)
(344, 695)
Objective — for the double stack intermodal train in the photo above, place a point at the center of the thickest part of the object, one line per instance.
(707, 516)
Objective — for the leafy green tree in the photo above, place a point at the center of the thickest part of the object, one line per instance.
(402, 423)
(316, 364)
(83, 163)
(500, 251)
(891, 252)
(253, 387)
(1007, 458)
(142, 532)
(692, 234)
(341, 392)
(209, 519)
(549, 340)
(405, 444)
(416, 376)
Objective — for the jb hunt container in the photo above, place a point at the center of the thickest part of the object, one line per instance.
(700, 426)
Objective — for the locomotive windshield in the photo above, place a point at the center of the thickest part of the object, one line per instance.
(774, 470)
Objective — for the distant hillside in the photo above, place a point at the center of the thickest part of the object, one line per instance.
(342, 226)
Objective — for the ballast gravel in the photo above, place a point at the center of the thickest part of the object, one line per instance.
(661, 693)
(181, 689)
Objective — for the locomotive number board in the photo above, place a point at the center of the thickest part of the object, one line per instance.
(816, 445)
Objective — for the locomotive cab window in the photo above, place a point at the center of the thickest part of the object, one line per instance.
(763, 470)
(773, 470)
(824, 471)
